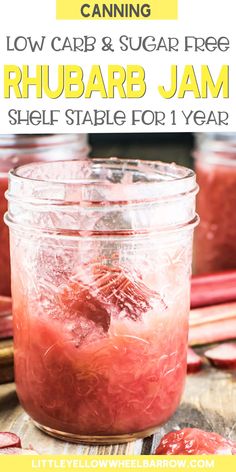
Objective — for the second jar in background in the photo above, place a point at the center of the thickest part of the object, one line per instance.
(16, 150)
(215, 240)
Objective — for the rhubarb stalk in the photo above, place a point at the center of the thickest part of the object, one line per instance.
(222, 356)
(194, 361)
(212, 324)
(211, 289)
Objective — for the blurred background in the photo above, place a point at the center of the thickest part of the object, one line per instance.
(167, 147)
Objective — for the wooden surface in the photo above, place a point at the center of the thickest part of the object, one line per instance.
(6, 361)
(209, 402)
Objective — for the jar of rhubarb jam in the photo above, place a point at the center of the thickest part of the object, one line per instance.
(20, 149)
(101, 260)
(215, 240)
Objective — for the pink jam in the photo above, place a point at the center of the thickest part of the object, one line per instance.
(215, 244)
(110, 359)
(101, 262)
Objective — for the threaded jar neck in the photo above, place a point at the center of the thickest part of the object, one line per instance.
(102, 197)
(16, 150)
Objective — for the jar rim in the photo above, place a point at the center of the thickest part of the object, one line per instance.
(102, 197)
(101, 179)
(219, 143)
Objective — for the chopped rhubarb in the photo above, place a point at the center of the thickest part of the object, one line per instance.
(211, 289)
(99, 291)
(223, 356)
(9, 440)
(78, 298)
(194, 361)
(124, 290)
(193, 441)
(10, 443)
(212, 324)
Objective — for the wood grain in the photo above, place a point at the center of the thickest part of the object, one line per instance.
(6, 361)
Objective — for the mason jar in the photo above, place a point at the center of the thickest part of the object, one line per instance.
(215, 164)
(101, 262)
(16, 150)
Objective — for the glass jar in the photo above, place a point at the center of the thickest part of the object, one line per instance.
(16, 150)
(101, 261)
(215, 240)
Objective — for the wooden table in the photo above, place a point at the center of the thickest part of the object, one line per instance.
(209, 402)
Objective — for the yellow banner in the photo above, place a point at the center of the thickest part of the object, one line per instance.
(117, 10)
(121, 463)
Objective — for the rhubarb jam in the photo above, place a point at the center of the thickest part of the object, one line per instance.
(16, 150)
(100, 280)
(215, 165)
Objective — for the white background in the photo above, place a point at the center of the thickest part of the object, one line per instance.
(196, 17)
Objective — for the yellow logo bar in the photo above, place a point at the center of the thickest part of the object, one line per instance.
(67, 463)
(117, 10)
